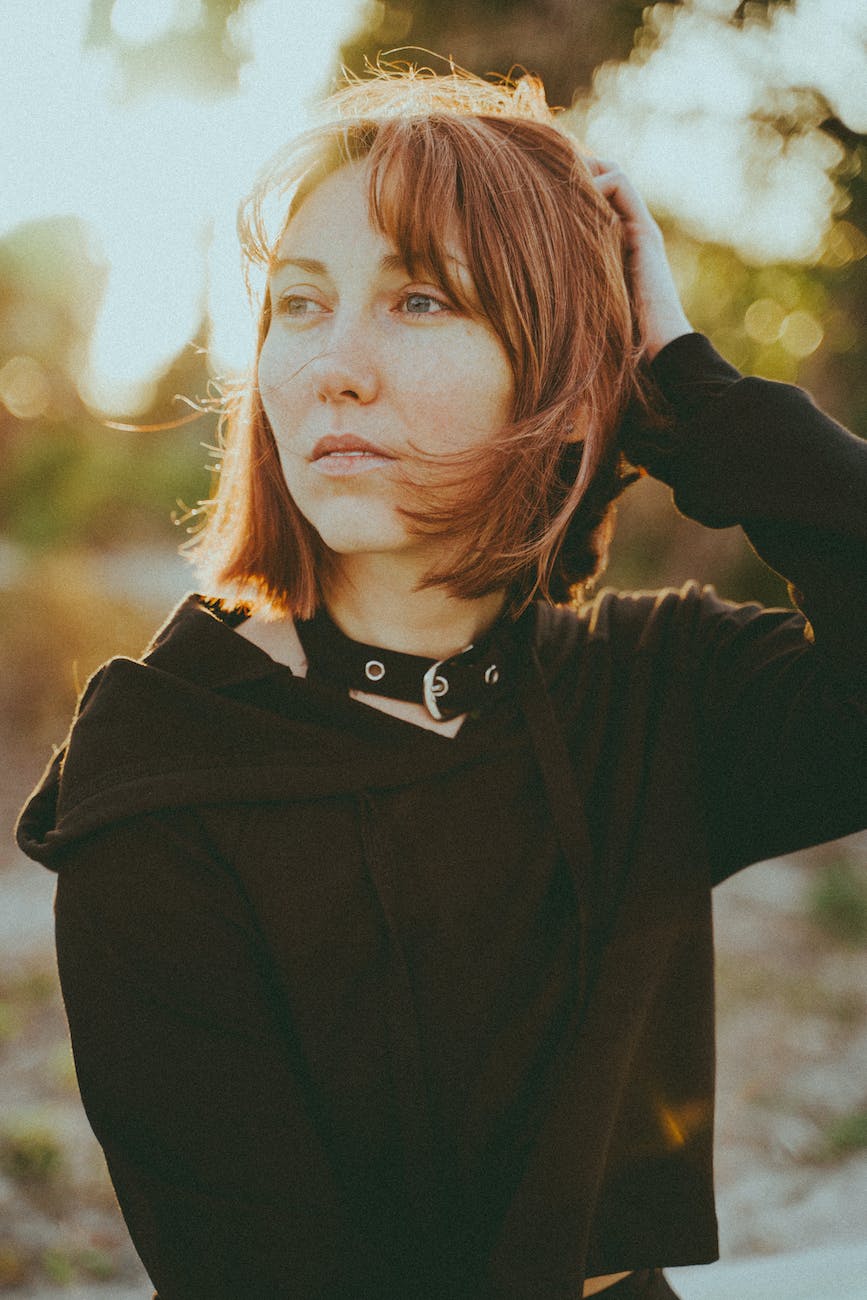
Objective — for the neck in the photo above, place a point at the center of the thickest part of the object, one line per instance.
(375, 600)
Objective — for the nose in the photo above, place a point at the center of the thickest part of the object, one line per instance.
(346, 371)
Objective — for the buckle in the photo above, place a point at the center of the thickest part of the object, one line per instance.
(435, 684)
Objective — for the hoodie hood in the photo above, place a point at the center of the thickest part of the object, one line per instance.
(183, 725)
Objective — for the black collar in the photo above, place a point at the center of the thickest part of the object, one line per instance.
(466, 682)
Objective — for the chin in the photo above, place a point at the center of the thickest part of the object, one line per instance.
(351, 534)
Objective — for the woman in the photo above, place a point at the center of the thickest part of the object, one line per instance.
(383, 907)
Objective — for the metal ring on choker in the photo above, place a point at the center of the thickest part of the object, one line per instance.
(464, 682)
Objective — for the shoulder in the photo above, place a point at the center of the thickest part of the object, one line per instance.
(168, 729)
(677, 625)
(622, 620)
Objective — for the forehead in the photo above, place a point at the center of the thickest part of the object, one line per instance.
(334, 221)
(339, 203)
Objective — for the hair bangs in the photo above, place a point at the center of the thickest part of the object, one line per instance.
(415, 203)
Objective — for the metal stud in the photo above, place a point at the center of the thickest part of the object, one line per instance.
(374, 671)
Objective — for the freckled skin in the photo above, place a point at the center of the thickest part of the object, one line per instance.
(360, 348)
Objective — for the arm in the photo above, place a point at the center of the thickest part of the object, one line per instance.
(187, 1067)
(748, 451)
(762, 455)
(781, 704)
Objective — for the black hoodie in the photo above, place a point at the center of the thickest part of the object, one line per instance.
(359, 1010)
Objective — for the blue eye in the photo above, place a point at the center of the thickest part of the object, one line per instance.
(423, 304)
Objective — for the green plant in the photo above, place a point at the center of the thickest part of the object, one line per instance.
(30, 1153)
(846, 1134)
(803, 993)
(96, 1263)
(58, 1265)
(837, 902)
(56, 627)
(36, 986)
(10, 1021)
(104, 486)
(60, 1068)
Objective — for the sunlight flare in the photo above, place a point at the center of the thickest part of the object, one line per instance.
(156, 175)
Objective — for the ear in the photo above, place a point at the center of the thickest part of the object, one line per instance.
(585, 426)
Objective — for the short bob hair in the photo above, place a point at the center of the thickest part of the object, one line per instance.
(456, 156)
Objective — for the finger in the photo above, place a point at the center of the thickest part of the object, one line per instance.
(608, 170)
(596, 165)
(610, 185)
(607, 180)
(619, 190)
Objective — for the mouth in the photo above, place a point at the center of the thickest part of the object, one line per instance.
(339, 455)
(346, 446)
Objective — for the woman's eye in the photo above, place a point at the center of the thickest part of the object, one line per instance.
(297, 307)
(423, 304)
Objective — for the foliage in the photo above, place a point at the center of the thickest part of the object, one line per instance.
(30, 1152)
(838, 902)
(13, 1265)
(560, 40)
(69, 485)
(10, 1020)
(846, 1134)
(58, 1266)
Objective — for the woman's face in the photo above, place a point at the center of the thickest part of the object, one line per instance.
(360, 362)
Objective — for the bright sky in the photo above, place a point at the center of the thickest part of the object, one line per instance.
(158, 178)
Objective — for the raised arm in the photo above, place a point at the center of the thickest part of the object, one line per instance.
(782, 695)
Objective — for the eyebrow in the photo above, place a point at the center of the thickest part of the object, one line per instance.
(311, 265)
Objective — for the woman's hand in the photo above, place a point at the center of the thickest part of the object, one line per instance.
(661, 317)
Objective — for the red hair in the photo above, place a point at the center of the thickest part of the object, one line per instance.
(451, 156)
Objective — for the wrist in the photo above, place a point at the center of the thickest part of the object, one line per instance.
(665, 331)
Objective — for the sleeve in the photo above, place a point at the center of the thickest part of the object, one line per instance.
(187, 1067)
(781, 700)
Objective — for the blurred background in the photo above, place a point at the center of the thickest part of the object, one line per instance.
(129, 129)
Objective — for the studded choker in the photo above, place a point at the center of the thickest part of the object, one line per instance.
(466, 682)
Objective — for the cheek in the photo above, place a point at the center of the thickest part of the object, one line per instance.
(464, 390)
(500, 393)
(481, 387)
(275, 372)
(486, 369)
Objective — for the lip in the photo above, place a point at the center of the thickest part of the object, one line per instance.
(348, 446)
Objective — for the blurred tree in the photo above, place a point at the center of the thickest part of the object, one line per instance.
(66, 477)
(191, 56)
(560, 40)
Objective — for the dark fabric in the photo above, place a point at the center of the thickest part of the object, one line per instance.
(361, 1010)
(644, 1284)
